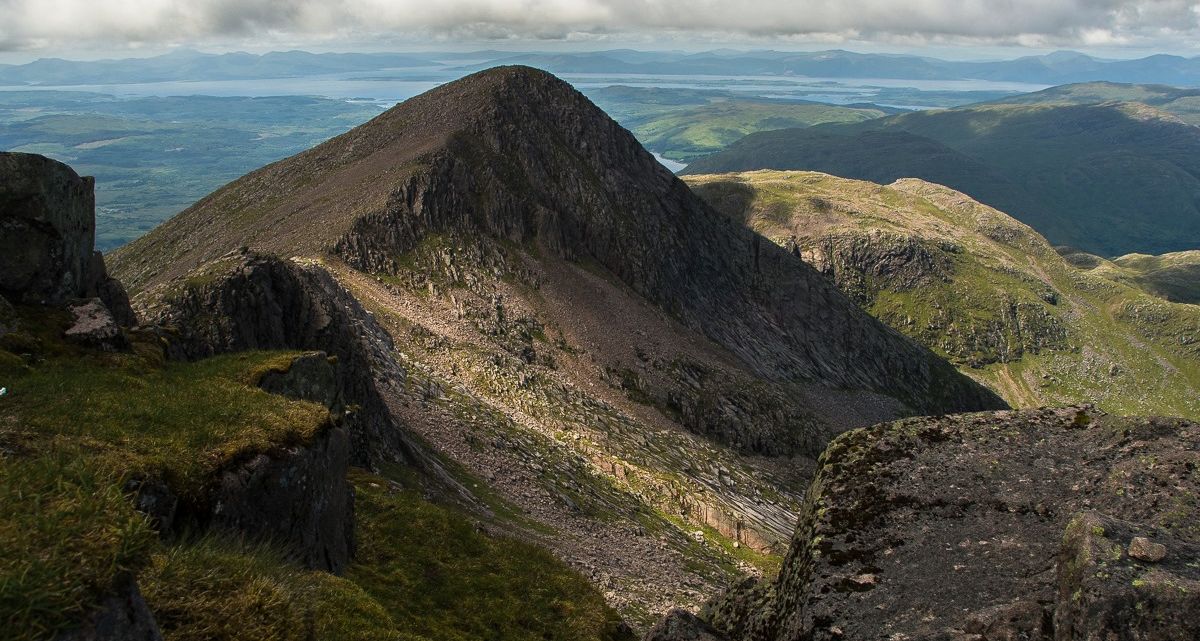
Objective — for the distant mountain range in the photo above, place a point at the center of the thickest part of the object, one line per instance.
(193, 65)
(1057, 68)
(1083, 165)
(1053, 69)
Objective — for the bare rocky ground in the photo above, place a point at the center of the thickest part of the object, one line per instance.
(655, 515)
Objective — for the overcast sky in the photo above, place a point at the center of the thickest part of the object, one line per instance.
(32, 28)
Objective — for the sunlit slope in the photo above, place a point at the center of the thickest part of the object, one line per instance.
(980, 288)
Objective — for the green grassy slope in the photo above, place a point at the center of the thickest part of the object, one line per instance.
(1182, 103)
(682, 124)
(76, 425)
(982, 289)
(1109, 179)
(1174, 276)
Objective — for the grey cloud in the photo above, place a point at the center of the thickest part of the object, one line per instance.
(50, 23)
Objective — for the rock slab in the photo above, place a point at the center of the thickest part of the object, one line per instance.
(953, 528)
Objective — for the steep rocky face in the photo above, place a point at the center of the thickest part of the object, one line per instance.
(953, 528)
(297, 496)
(248, 301)
(47, 234)
(294, 494)
(47, 229)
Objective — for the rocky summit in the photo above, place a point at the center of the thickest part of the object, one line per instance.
(514, 155)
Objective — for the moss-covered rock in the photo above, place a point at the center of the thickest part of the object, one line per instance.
(1123, 580)
(951, 527)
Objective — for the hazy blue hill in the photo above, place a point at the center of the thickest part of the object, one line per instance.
(1108, 178)
(193, 65)
(1182, 103)
(1052, 69)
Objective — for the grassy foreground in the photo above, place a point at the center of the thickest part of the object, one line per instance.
(77, 424)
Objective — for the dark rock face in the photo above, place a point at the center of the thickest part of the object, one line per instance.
(310, 378)
(248, 301)
(1120, 580)
(47, 232)
(681, 625)
(110, 291)
(47, 229)
(123, 616)
(537, 162)
(297, 496)
(952, 528)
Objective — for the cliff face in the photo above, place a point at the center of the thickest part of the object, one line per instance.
(954, 528)
(249, 301)
(47, 237)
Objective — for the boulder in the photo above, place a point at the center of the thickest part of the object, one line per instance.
(47, 234)
(952, 528)
(47, 229)
(1125, 581)
(94, 326)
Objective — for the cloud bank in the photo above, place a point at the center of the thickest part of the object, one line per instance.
(49, 24)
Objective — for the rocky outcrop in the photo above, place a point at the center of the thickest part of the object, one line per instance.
(47, 234)
(1121, 580)
(47, 229)
(297, 496)
(294, 494)
(249, 301)
(122, 616)
(953, 528)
